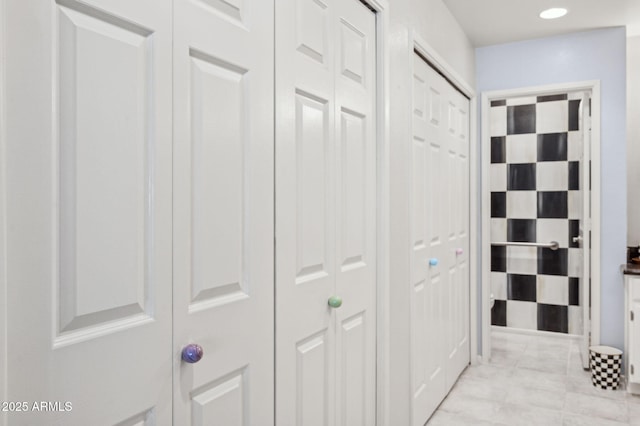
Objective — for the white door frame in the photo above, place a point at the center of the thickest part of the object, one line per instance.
(594, 87)
(425, 50)
(381, 9)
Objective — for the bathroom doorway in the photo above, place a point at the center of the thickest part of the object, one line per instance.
(540, 237)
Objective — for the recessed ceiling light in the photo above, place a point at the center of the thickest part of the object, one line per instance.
(553, 13)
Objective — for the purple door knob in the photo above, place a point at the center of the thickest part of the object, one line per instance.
(459, 251)
(192, 353)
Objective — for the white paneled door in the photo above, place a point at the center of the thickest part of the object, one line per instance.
(325, 213)
(223, 211)
(139, 194)
(439, 239)
(88, 190)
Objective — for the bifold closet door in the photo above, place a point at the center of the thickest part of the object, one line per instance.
(88, 203)
(457, 251)
(111, 180)
(223, 211)
(325, 213)
(439, 239)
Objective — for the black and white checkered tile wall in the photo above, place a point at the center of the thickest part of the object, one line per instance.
(535, 148)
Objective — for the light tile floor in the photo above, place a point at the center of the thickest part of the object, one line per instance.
(533, 380)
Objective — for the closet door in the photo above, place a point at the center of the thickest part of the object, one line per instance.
(88, 198)
(355, 213)
(90, 213)
(440, 239)
(429, 241)
(325, 213)
(583, 239)
(223, 207)
(457, 225)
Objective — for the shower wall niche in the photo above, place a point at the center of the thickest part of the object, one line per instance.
(535, 150)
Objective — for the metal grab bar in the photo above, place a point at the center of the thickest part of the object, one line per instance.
(553, 245)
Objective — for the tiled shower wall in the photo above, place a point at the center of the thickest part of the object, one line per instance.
(535, 148)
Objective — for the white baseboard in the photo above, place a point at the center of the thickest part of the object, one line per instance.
(633, 388)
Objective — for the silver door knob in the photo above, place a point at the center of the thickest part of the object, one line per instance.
(577, 239)
(192, 353)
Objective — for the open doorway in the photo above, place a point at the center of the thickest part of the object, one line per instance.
(540, 157)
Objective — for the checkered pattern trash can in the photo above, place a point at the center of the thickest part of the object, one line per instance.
(605, 363)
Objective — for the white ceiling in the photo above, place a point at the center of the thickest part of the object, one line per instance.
(489, 22)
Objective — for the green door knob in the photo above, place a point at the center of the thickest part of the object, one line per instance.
(335, 301)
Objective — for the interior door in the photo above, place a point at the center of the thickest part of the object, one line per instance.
(439, 239)
(428, 242)
(355, 213)
(457, 217)
(223, 211)
(325, 213)
(584, 237)
(88, 197)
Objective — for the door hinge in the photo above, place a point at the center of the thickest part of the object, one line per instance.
(632, 316)
(631, 369)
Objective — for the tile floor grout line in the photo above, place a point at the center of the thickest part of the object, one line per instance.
(515, 389)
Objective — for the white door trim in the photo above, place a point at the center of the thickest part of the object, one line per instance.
(3, 234)
(381, 8)
(448, 71)
(487, 97)
(442, 66)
